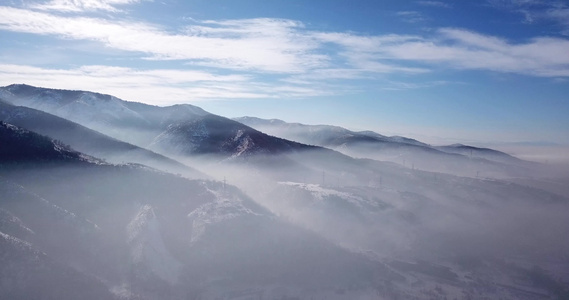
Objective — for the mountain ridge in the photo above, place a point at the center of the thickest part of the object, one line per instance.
(401, 150)
(89, 141)
(150, 126)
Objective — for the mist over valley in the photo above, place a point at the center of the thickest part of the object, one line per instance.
(102, 198)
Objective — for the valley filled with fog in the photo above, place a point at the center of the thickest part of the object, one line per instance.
(102, 198)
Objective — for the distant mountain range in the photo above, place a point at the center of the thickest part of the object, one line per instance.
(101, 198)
(89, 141)
(455, 159)
(185, 130)
(486, 153)
(179, 130)
(323, 134)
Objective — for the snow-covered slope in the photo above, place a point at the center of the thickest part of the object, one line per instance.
(447, 233)
(224, 207)
(158, 234)
(148, 251)
(12, 225)
(27, 273)
(78, 106)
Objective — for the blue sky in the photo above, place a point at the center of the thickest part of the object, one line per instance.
(470, 71)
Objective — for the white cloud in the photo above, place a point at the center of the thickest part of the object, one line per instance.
(360, 42)
(260, 44)
(159, 87)
(464, 49)
(454, 48)
(152, 86)
(82, 5)
(474, 39)
(290, 52)
(364, 53)
(411, 16)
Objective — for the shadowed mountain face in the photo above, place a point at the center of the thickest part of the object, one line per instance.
(211, 134)
(133, 122)
(20, 145)
(176, 130)
(89, 141)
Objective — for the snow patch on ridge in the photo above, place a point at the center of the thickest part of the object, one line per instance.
(8, 220)
(321, 194)
(148, 248)
(223, 208)
(245, 144)
(18, 243)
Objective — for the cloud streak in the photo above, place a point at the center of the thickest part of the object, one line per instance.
(434, 4)
(268, 45)
(537, 11)
(82, 5)
(411, 16)
(158, 86)
(287, 47)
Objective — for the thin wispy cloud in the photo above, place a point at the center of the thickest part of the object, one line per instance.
(462, 49)
(458, 49)
(537, 11)
(561, 16)
(288, 47)
(411, 16)
(327, 74)
(400, 85)
(82, 5)
(363, 53)
(434, 4)
(259, 44)
(157, 86)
